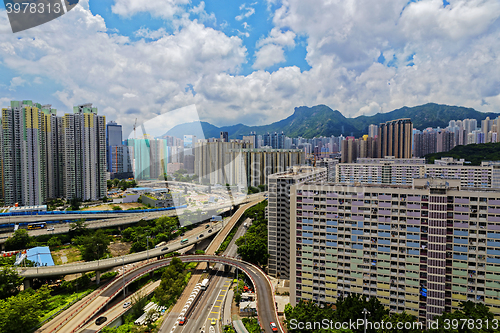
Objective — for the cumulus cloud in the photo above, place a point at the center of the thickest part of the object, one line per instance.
(432, 54)
(271, 49)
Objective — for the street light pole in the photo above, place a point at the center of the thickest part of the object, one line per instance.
(123, 276)
(365, 312)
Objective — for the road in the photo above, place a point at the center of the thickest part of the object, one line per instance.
(211, 303)
(81, 315)
(115, 220)
(118, 310)
(265, 298)
(106, 264)
(173, 315)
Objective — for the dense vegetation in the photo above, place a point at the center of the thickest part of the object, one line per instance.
(474, 153)
(351, 309)
(252, 246)
(320, 120)
(173, 281)
(121, 184)
(179, 176)
(153, 232)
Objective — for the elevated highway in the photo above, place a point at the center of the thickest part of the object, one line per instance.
(116, 220)
(106, 264)
(265, 300)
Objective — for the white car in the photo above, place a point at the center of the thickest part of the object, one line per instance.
(50, 229)
(126, 304)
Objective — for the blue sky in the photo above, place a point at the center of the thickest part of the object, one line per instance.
(252, 62)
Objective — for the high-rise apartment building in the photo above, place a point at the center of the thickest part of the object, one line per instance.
(218, 162)
(395, 138)
(46, 157)
(395, 171)
(84, 134)
(420, 248)
(224, 136)
(275, 140)
(150, 157)
(279, 215)
(117, 156)
(258, 164)
(372, 130)
(23, 157)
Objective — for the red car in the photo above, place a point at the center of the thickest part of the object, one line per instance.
(182, 321)
(273, 327)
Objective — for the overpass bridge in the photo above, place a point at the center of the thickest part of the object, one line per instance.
(266, 306)
(119, 219)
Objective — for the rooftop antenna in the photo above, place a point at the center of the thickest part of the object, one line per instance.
(135, 125)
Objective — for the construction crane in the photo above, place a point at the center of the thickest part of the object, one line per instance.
(135, 127)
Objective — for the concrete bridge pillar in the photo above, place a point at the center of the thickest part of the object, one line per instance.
(3, 246)
(27, 283)
(98, 277)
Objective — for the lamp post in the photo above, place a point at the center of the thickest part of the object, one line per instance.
(365, 312)
(123, 276)
(147, 246)
(98, 256)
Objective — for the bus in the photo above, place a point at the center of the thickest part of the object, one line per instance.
(184, 241)
(39, 225)
(204, 284)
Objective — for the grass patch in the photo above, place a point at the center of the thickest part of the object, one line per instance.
(71, 252)
(59, 302)
(230, 236)
(192, 265)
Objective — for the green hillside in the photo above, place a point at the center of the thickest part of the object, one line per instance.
(320, 120)
(474, 153)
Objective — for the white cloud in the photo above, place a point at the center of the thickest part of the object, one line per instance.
(268, 55)
(150, 34)
(249, 11)
(158, 8)
(271, 50)
(452, 64)
(16, 82)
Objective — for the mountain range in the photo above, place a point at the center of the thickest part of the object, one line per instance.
(320, 120)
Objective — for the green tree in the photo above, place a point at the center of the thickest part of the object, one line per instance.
(307, 312)
(409, 323)
(9, 281)
(53, 242)
(78, 228)
(22, 313)
(468, 311)
(351, 308)
(19, 240)
(228, 329)
(75, 203)
(173, 281)
(93, 247)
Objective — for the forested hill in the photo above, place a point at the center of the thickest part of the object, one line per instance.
(474, 153)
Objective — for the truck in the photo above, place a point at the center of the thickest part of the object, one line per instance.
(160, 244)
(204, 284)
(216, 218)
